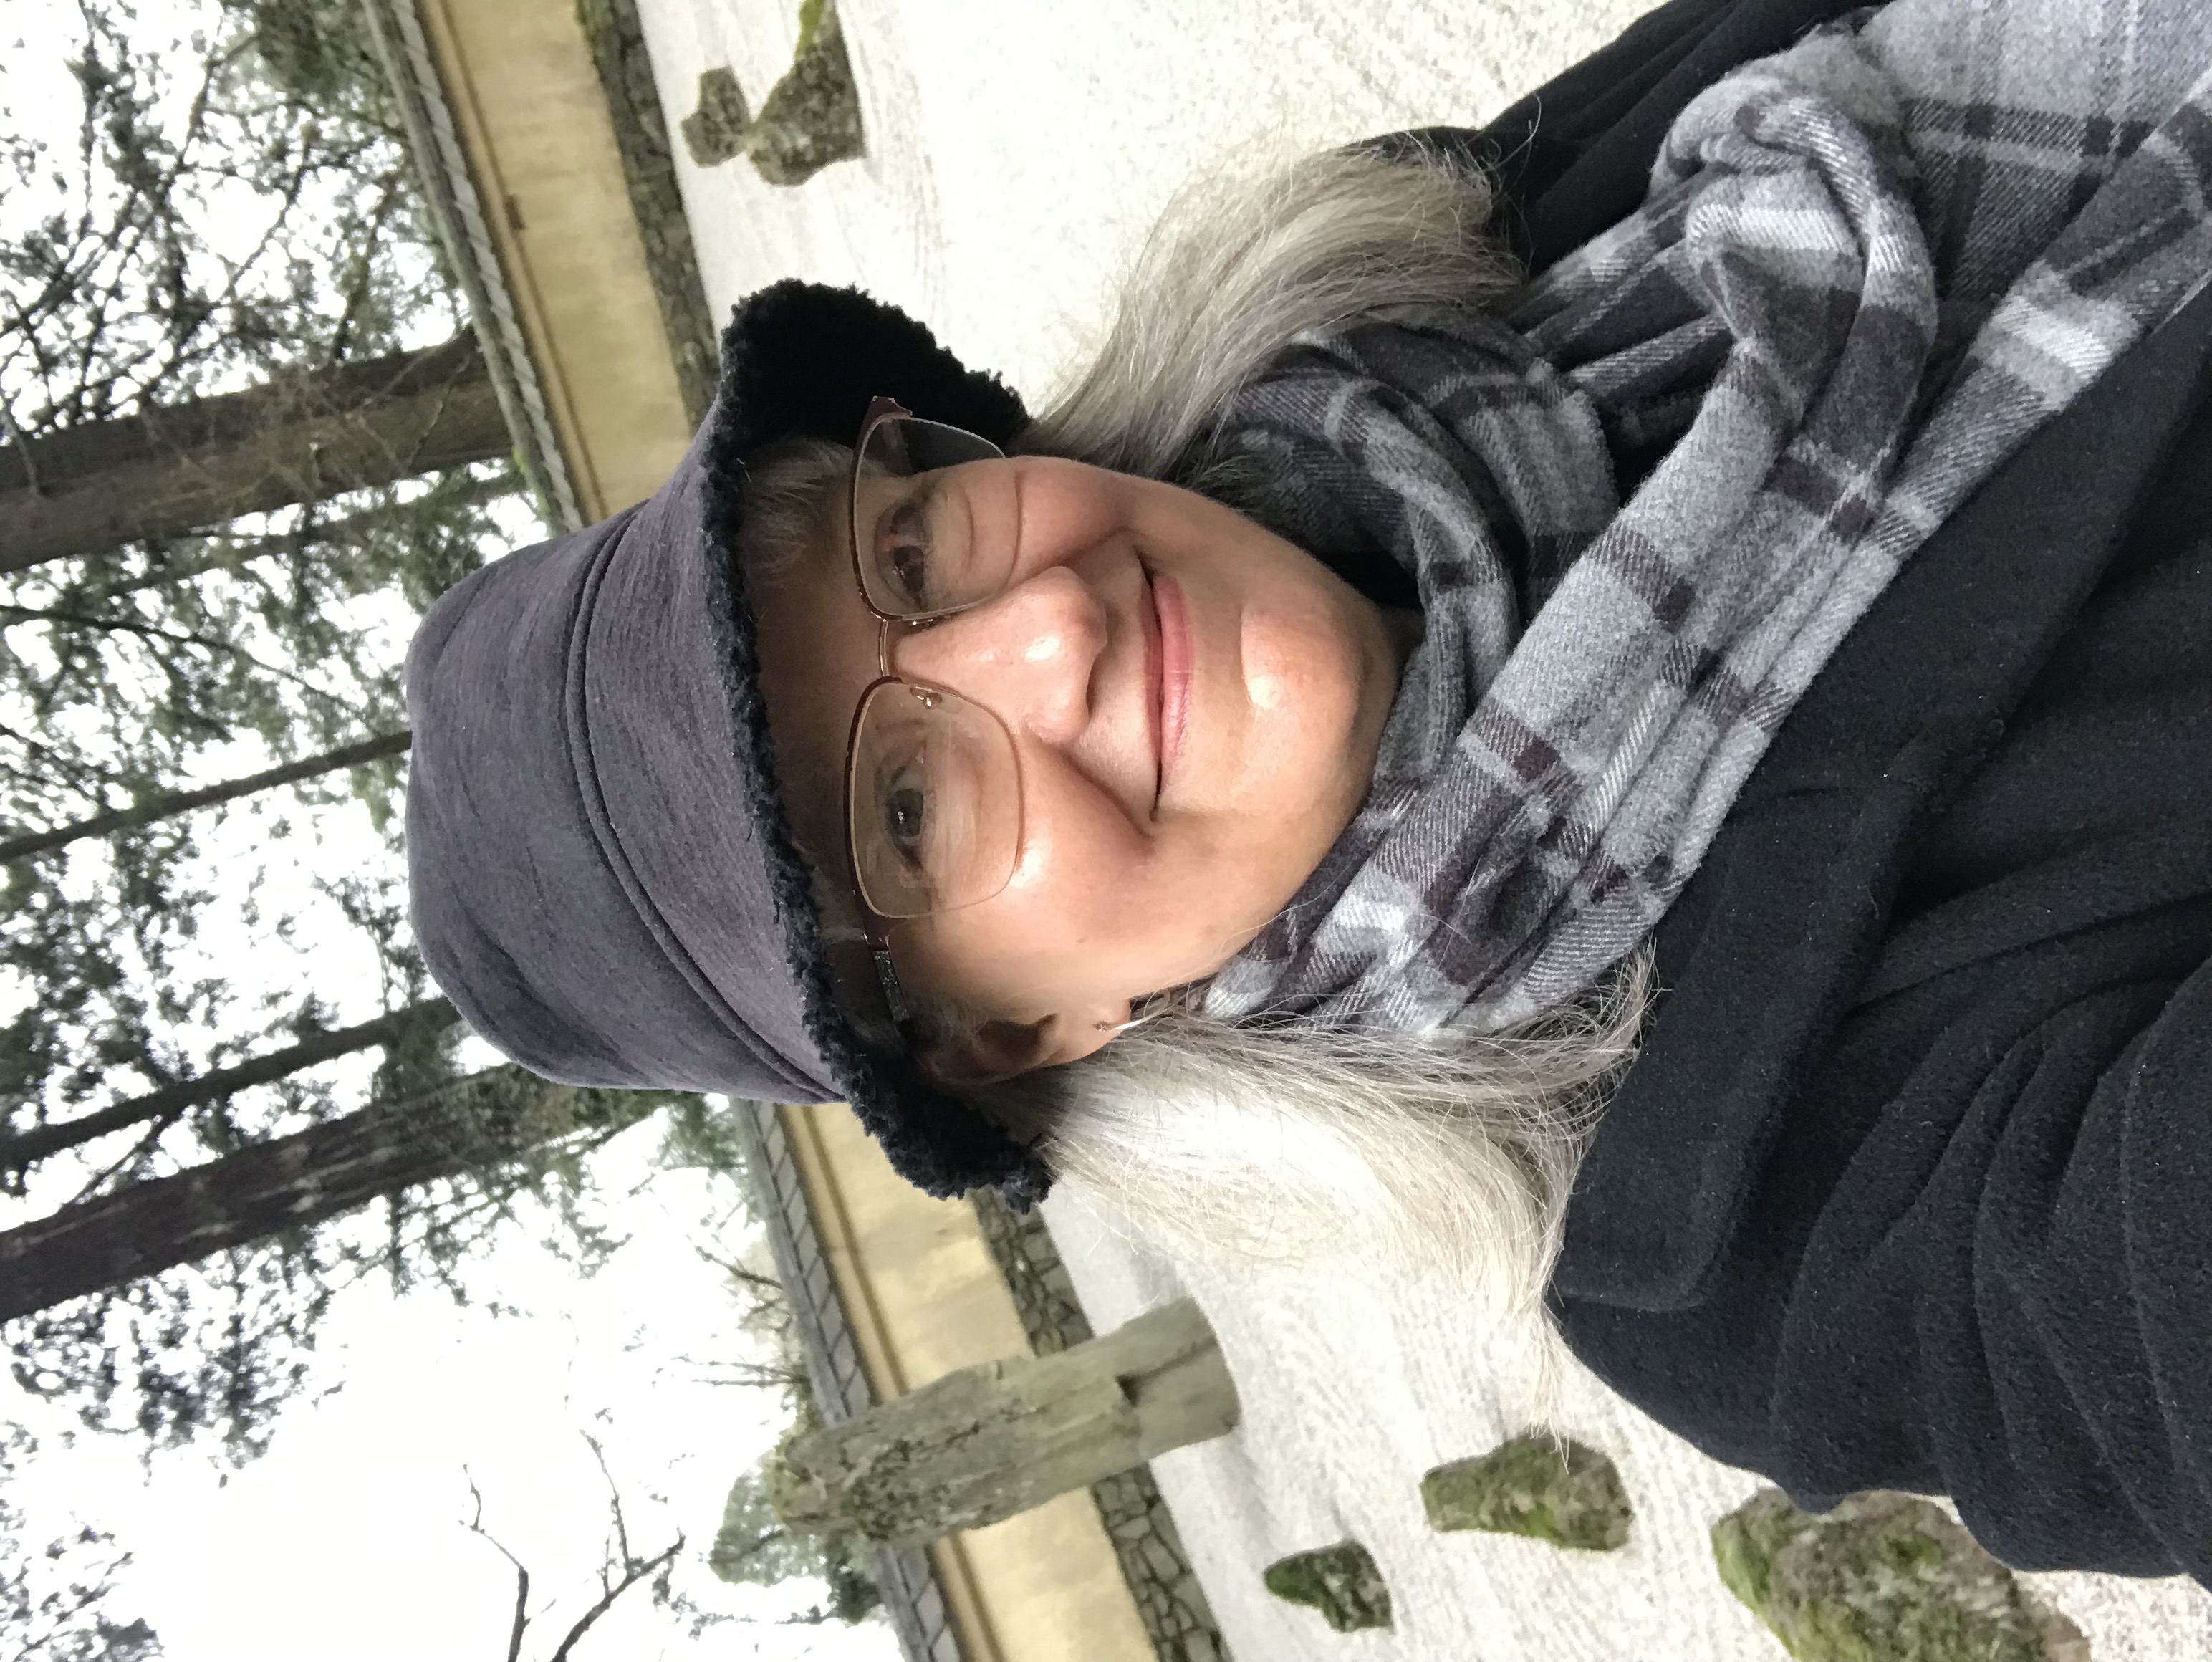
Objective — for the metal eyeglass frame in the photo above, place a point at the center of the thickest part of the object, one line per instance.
(877, 927)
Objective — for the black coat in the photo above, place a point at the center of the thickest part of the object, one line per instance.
(1911, 1185)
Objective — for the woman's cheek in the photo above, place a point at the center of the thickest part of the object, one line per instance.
(1078, 866)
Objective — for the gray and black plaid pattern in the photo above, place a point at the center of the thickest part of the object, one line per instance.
(1868, 268)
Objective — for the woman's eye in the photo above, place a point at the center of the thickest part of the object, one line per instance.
(903, 549)
(903, 807)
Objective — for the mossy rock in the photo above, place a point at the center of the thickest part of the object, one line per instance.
(810, 117)
(715, 131)
(1883, 1578)
(1341, 1581)
(1546, 1488)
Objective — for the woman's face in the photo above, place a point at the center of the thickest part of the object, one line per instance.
(1195, 705)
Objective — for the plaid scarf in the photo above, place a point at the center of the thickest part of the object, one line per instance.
(1868, 268)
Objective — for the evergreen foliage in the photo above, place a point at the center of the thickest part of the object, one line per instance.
(229, 206)
(227, 1090)
(752, 1546)
(53, 1595)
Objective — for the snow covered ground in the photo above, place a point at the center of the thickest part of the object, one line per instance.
(1017, 150)
(1352, 1391)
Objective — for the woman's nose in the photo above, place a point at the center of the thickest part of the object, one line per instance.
(1026, 655)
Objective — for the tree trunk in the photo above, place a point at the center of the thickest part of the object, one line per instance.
(21, 1150)
(183, 801)
(294, 1182)
(221, 554)
(987, 1442)
(298, 438)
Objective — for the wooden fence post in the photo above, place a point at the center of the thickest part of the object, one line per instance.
(992, 1440)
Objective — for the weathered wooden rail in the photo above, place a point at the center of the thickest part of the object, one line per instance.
(992, 1440)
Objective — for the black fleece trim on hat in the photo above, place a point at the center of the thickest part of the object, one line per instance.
(802, 360)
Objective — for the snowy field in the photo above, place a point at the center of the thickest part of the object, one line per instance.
(1017, 150)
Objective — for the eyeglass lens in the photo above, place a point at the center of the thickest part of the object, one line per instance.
(935, 801)
(914, 526)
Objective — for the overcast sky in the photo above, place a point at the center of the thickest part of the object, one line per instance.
(346, 1539)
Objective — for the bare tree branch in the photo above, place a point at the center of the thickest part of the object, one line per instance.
(635, 1572)
(231, 649)
(623, 1571)
(614, 1497)
(766, 1286)
(223, 554)
(164, 807)
(21, 1150)
(521, 1571)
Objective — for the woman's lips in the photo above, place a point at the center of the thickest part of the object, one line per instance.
(1175, 670)
(1148, 618)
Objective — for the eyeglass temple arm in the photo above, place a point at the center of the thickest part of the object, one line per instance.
(887, 978)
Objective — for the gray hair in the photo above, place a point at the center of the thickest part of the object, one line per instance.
(1449, 1153)
(1239, 265)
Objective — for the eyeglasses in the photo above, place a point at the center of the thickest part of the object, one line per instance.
(933, 796)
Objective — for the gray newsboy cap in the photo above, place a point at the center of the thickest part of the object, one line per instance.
(604, 880)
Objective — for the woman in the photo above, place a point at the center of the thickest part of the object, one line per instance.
(1262, 787)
